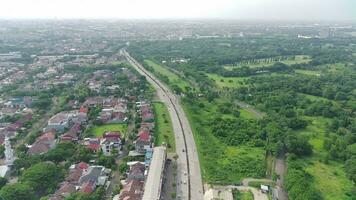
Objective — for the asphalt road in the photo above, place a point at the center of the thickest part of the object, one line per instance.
(189, 180)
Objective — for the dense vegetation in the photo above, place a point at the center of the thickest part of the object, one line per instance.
(306, 87)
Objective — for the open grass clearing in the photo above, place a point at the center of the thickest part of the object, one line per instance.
(308, 72)
(99, 130)
(229, 82)
(163, 129)
(330, 179)
(299, 59)
(220, 163)
(173, 78)
(244, 113)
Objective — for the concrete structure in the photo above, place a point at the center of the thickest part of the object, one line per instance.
(59, 122)
(153, 184)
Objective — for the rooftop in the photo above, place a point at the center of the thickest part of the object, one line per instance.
(154, 179)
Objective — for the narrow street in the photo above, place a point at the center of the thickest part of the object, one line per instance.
(281, 171)
(116, 176)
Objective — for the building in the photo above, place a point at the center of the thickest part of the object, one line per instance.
(92, 143)
(98, 174)
(143, 142)
(59, 122)
(72, 134)
(19, 102)
(147, 113)
(153, 184)
(137, 172)
(43, 144)
(82, 178)
(133, 190)
(111, 142)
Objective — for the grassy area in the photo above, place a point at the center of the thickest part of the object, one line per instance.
(164, 130)
(298, 60)
(242, 195)
(308, 72)
(329, 179)
(334, 67)
(220, 163)
(173, 78)
(229, 82)
(98, 131)
(247, 114)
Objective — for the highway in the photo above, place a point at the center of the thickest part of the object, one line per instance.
(189, 179)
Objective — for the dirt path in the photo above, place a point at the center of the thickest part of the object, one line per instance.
(280, 169)
(246, 181)
(250, 108)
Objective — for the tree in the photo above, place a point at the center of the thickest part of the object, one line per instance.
(3, 182)
(61, 152)
(298, 145)
(43, 177)
(123, 167)
(350, 168)
(17, 191)
(107, 161)
(2, 151)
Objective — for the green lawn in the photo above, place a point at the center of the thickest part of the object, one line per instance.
(329, 179)
(98, 131)
(173, 78)
(164, 130)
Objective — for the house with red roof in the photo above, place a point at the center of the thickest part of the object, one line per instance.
(147, 114)
(111, 141)
(83, 109)
(133, 190)
(43, 144)
(92, 143)
(143, 141)
(88, 187)
(72, 134)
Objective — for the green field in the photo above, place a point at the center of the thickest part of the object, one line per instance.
(173, 78)
(229, 82)
(98, 131)
(220, 163)
(164, 130)
(247, 114)
(329, 179)
(298, 60)
(308, 72)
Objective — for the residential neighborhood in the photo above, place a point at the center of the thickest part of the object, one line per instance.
(87, 116)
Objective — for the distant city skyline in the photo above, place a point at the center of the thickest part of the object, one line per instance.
(311, 10)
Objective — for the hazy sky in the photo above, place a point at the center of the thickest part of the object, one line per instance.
(232, 9)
